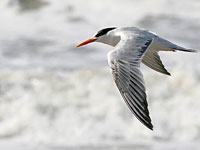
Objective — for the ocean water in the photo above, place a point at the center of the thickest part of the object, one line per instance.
(54, 96)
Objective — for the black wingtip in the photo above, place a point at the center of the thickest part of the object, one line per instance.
(169, 74)
(149, 126)
(166, 72)
(187, 50)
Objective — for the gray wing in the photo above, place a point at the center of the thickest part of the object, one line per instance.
(153, 61)
(151, 57)
(125, 64)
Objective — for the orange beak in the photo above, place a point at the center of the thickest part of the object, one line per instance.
(87, 42)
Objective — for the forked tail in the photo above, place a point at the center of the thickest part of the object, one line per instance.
(186, 50)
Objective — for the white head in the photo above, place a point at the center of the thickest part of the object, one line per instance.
(105, 36)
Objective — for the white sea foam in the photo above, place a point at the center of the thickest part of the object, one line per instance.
(50, 108)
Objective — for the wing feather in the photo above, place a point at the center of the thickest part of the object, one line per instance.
(153, 61)
(129, 80)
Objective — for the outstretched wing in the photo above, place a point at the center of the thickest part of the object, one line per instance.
(125, 64)
(153, 61)
(151, 57)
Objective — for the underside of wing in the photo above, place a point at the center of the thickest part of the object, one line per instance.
(153, 61)
(125, 65)
(129, 81)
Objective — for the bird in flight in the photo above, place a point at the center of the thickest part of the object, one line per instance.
(133, 46)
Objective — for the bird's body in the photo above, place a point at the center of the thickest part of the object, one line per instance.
(133, 46)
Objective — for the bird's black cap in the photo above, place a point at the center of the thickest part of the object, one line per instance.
(104, 31)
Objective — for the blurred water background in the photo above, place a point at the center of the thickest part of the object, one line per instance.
(54, 96)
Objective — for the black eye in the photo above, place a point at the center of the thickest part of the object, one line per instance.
(104, 31)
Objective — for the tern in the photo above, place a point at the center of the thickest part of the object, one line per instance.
(133, 46)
